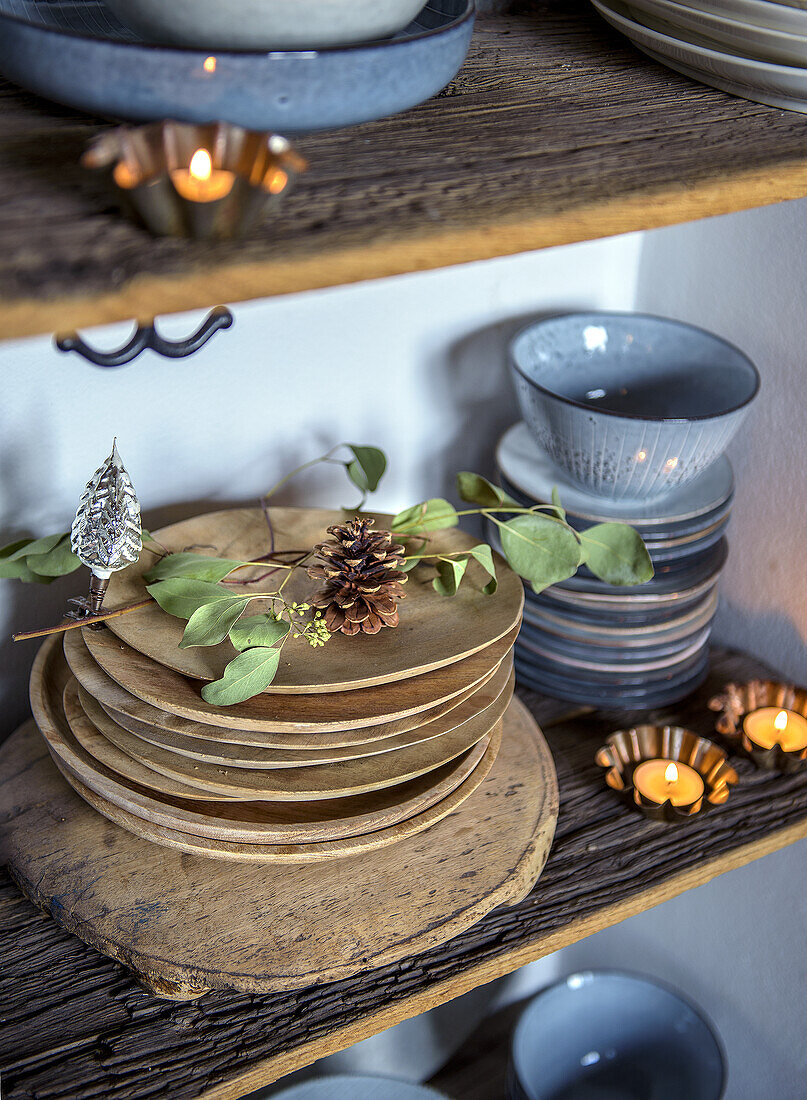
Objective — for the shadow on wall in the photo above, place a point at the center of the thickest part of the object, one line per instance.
(743, 277)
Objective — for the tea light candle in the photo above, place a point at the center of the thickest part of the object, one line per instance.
(666, 781)
(770, 726)
(200, 181)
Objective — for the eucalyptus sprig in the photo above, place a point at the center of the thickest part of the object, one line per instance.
(536, 541)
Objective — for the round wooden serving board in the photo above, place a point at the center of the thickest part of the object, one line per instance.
(434, 631)
(337, 780)
(186, 923)
(168, 690)
(256, 756)
(121, 704)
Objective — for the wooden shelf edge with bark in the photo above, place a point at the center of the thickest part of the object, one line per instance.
(555, 131)
(75, 1024)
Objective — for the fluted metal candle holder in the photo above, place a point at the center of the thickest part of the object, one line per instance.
(625, 750)
(209, 182)
(736, 701)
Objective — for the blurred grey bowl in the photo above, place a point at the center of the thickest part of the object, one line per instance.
(598, 1035)
(630, 406)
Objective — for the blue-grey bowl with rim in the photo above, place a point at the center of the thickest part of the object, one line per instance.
(629, 405)
(610, 1034)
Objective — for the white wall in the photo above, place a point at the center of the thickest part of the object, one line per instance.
(416, 365)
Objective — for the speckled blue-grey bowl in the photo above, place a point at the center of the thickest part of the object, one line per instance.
(610, 1034)
(630, 406)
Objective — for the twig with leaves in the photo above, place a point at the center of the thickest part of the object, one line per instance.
(537, 543)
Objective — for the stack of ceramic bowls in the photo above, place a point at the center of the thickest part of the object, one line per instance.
(756, 49)
(583, 381)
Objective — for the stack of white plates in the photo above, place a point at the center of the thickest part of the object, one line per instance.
(756, 49)
(635, 647)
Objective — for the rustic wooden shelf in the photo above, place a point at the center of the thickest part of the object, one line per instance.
(73, 1024)
(556, 130)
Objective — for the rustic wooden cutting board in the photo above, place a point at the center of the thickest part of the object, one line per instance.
(185, 923)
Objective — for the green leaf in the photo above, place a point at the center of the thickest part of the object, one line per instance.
(616, 554)
(211, 623)
(478, 490)
(12, 568)
(181, 596)
(430, 515)
(57, 562)
(484, 555)
(406, 566)
(367, 467)
(32, 547)
(246, 675)
(540, 549)
(449, 576)
(556, 502)
(258, 630)
(196, 566)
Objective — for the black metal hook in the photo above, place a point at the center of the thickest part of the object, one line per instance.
(145, 338)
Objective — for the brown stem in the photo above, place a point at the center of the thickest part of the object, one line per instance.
(72, 624)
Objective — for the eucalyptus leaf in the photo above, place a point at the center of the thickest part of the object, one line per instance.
(196, 566)
(17, 569)
(58, 562)
(246, 675)
(33, 547)
(484, 555)
(540, 549)
(449, 576)
(367, 467)
(407, 566)
(211, 623)
(556, 501)
(258, 630)
(616, 554)
(430, 515)
(478, 490)
(181, 596)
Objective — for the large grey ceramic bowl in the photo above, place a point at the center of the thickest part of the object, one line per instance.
(606, 1034)
(630, 406)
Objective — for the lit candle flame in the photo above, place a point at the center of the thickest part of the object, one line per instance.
(209, 64)
(780, 721)
(670, 773)
(201, 166)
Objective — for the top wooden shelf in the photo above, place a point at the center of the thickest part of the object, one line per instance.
(556, 130)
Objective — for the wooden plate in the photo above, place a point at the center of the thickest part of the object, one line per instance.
(168, 690)
(210, 751)
(338, 780)
(433, 631)
(242, 852)
(281, 822)
(191, 923)
(121, 704)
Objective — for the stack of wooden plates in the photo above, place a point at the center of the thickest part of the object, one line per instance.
(756, 49)
(356, 745)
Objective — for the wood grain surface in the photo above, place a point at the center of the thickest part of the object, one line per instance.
(339, 779)
(279, 822)
(194, 921)
(239, 850)
(433, 631)
(123, 706)
(168, 690)
(77, 1025)
(256, 756)
(583, 135)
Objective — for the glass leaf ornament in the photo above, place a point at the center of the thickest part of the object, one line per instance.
(106, 533)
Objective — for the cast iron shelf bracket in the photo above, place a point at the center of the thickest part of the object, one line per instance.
(146, 338)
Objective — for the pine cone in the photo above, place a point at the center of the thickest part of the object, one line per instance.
(362, 579)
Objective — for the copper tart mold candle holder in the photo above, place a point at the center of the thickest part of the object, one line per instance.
(211, 182)
(738, 702)
(700, 766)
